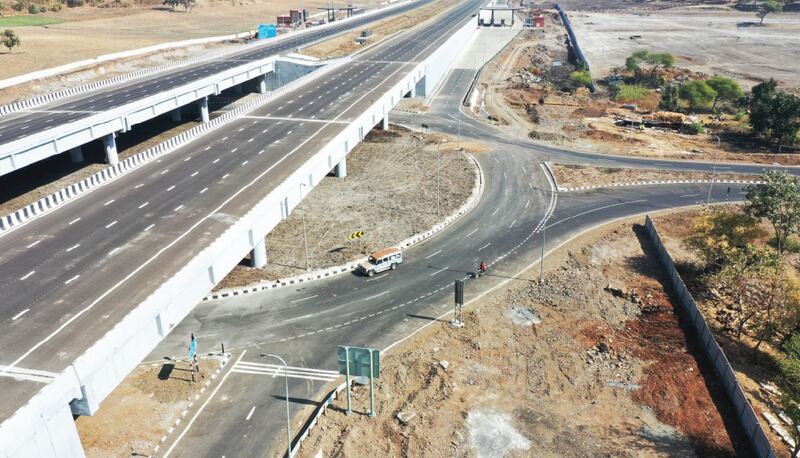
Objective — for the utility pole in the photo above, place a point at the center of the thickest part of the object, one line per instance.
(438, 173)
(303, 216)
(713, 172)
(541, 261)
(288, 423)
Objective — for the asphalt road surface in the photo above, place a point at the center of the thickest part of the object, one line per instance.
(245, 415)
(70, 275)
(20, 124)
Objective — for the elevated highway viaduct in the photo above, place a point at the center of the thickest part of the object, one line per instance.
(91, 287)
(35, 132)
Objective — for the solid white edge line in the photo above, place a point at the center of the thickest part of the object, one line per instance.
(202, 407)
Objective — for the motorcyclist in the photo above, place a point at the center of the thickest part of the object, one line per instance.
(482, 267)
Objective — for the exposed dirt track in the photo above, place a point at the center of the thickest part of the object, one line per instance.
(608, 372)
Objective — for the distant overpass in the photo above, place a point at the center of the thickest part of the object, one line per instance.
(37, 132)
(91, 287)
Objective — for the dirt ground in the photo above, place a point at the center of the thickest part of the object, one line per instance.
(607, 372)
(90, 31)
(572, 176)
(346, 44)
(142, 408)
(527, 89)
(710, 39)
(754, 370)
(389, 194)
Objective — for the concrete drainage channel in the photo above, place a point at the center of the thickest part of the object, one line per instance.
(72, 192)
(472, 201)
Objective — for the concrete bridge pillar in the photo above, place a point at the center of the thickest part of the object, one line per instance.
(341, 168)
(258, 257)
(203, 105)
(262, 84)
(413, 90)
(76, 155)
(385, 121)
(176, 115)
(110, 147)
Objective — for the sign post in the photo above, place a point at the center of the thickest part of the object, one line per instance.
(360, 362)
(459, 301)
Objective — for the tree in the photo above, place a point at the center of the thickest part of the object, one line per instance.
(777, 201)
(770, 6)
(669, 98)
(727, 89)
(760, 109)
(172, 3)
(774, 113)
(188, 4)
(698, 94)
(10, 39)
(718, 236)
(654, 59)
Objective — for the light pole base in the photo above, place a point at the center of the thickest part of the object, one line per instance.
(457, 324)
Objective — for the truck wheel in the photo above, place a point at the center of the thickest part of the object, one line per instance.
(370, 273)
(393, 266)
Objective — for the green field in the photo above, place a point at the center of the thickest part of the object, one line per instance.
(22, 21)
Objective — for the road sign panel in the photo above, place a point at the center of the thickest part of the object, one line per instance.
(359, 359)
(356, 235)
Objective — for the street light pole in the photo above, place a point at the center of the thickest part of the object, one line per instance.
(541, 261)
(303, 216)
(713, 172)
(438, 173)
(288, 423)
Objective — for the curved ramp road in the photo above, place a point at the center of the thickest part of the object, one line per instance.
(304, 324)
(69, 276)
(18, 125)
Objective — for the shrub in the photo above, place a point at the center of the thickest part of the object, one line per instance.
(698, 94)
(33, 9)
(581, 78)
(695, 128)
(75, 3)
(629, 93)
(18, 5)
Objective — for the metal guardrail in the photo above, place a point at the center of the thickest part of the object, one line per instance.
(711, 349)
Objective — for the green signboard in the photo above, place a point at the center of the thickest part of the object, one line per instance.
(359, 361)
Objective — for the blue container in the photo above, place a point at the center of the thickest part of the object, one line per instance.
(267, 31)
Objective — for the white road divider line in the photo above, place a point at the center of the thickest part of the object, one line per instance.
(250, 414)
(73, 221)
(304, 299)
(433, 254)
(73, 247)
(27, 275)
(378, 295)
(71, 280)
(16, 317)
(203, 190)
(439, 271)
(194, 174)
(149, 227)
(108, 226)
(178, 207)
(33, 244)
(485, 246)
(171, 188)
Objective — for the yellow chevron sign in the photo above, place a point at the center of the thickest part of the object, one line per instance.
(356, 235)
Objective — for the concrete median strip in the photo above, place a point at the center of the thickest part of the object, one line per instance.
(475, 196)
(71, 192)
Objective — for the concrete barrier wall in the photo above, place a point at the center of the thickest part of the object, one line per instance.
(573, 41)
(744, 411)
(105, 364)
